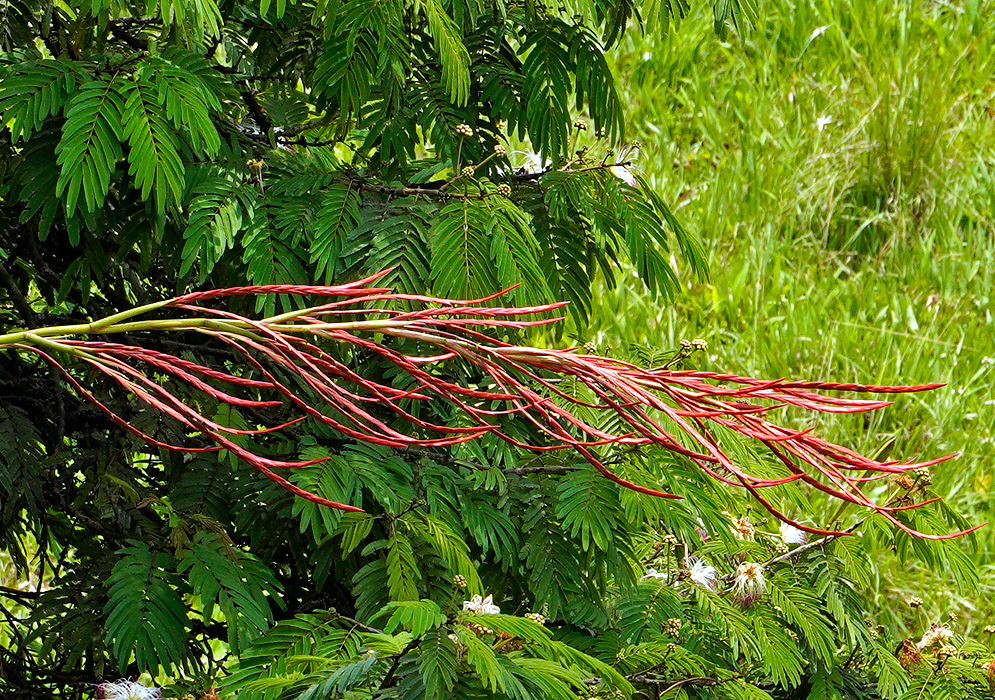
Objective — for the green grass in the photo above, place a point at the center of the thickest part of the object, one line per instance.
(863, 251)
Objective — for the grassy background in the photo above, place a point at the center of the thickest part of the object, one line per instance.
(838, 161)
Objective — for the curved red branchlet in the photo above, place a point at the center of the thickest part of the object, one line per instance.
(285, 363)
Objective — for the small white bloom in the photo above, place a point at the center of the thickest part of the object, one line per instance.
(750, 584)
(937, 634)
(647, 56)
(653, 573)
(533, 162)
(818, 31)
(127, 690)
(792, 535)
(822, 122)
(702, 574)
(483, 606)
(623, 174)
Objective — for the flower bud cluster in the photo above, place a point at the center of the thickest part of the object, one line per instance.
(945, 652)
(478, 630)
(464, 130)
(537, 618)
(504, 189)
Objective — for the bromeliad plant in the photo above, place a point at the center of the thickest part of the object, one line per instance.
(290, 360)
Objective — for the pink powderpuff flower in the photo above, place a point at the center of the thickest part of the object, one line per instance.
(743, 529)
(749, 585)
(936, 635)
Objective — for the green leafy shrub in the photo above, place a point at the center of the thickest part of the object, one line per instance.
(465, 147)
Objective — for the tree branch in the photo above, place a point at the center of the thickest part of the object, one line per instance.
(17, 298)
(136, 42)
(258, 114)
(18, 594)
(397, 662)
(811, 545)
(694, 680)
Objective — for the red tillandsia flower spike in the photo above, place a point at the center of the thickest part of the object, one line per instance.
(676, 410)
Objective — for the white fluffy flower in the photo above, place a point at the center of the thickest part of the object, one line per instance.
(533, 163)
(127, 690)
(792, 535)
(702, 574)
(624, 174)
(822, 122)
(483, 606)
(653, 573)
(749, 584)
(937, 634)
(743, 529)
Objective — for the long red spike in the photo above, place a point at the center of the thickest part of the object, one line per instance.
(524, 379)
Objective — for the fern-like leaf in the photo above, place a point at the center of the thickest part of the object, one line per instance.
(146, 618)
(235, 582)
(218, 207)
(453, 56)
(461, 251)
(32, 92)
(154, 155)
(91, 144)
(438, 663)
(337, 215)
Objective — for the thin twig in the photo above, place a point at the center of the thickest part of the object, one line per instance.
(397, 662)
(357, 624)
(17, 594)
(811, 545)
(258, 114)
(18, 299)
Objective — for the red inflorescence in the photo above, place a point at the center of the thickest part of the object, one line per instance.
(524, 381)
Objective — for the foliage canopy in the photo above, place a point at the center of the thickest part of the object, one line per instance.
(465, 146)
